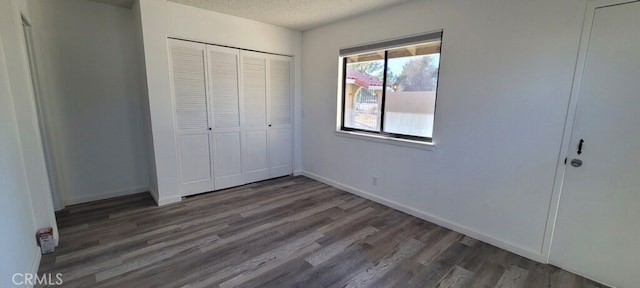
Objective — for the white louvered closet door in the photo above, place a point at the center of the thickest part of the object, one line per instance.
(255, 161)
(225, 106)
(280, 115)
(188, 81)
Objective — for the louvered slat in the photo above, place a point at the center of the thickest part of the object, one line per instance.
(254, 83)
(188, 68)
(224, 89)
(280, 78)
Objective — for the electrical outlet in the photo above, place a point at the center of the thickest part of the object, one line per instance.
(374, 180)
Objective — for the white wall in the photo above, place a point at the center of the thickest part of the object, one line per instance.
(19, 246)
(26, 202)
(162, 19)
(505, 79)
(142, 78)
(89, 70)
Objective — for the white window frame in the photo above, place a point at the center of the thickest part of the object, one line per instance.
(380, 136)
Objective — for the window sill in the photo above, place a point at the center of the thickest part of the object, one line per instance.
(387, 140)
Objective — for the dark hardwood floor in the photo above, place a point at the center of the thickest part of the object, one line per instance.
(286, 232)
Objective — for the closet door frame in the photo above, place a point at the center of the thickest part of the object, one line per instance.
(225, 181)
(261, 173)
(257, 139)
(205, 185)
(281, 170)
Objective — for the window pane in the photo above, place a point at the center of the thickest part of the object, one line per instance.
(410, 98)
(363, 91)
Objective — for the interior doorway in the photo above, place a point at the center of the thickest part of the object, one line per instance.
(597, 229)
(58, 203)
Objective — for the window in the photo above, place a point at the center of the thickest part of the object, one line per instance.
(389, 88)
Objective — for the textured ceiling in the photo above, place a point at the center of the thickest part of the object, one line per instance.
(295, 14)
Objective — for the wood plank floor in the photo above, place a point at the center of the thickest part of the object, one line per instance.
(285, 232)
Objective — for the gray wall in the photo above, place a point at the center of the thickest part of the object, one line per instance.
(16, 220)
(26, 204)
(505, 80)
(89, 67)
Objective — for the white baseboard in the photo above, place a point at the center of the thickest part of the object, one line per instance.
(153, 194)
(164, 201)
(167, 200)
(506, 245)
(105, 195)
(298, 173)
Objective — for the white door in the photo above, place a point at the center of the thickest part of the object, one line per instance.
(597, 231)
(255, 161)
(280, 124)
(188, 80)
(225, 102)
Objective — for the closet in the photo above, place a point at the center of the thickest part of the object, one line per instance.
(232, 115)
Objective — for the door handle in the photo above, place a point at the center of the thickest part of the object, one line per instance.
(580, 146)
(576, 162)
